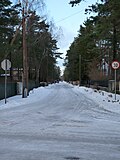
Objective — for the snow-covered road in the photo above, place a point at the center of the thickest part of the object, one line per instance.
(60, 123)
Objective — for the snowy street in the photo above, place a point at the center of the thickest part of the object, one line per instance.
(60, 122)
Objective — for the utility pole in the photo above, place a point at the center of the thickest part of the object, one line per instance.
(25, 64)
(79, 70)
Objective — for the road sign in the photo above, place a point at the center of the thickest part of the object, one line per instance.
(6, 64)
(115, 64)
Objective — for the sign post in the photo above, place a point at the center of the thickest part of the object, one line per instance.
(6, 65)
(115, 66)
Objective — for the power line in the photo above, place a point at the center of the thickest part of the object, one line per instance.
(69, 16)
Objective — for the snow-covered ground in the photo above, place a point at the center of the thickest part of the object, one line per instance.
(105, 99)
(60, 122)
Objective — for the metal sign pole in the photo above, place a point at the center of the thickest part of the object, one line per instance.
(5, 80)
(79, 70)
(5, 65)
(115, 66)
(115, 84)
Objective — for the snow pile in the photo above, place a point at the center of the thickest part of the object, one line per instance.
(34, 95)
(104, 99)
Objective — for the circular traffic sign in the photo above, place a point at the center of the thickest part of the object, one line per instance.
(6, 64)
(115, 64)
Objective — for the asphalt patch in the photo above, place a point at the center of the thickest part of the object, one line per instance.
(72, 158)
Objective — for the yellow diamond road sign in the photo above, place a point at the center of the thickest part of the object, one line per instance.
(6, 64)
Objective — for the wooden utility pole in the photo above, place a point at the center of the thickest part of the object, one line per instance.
(25, 67)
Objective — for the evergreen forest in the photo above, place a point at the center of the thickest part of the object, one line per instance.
(26, 37)
(28, 41)
(97, 44)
